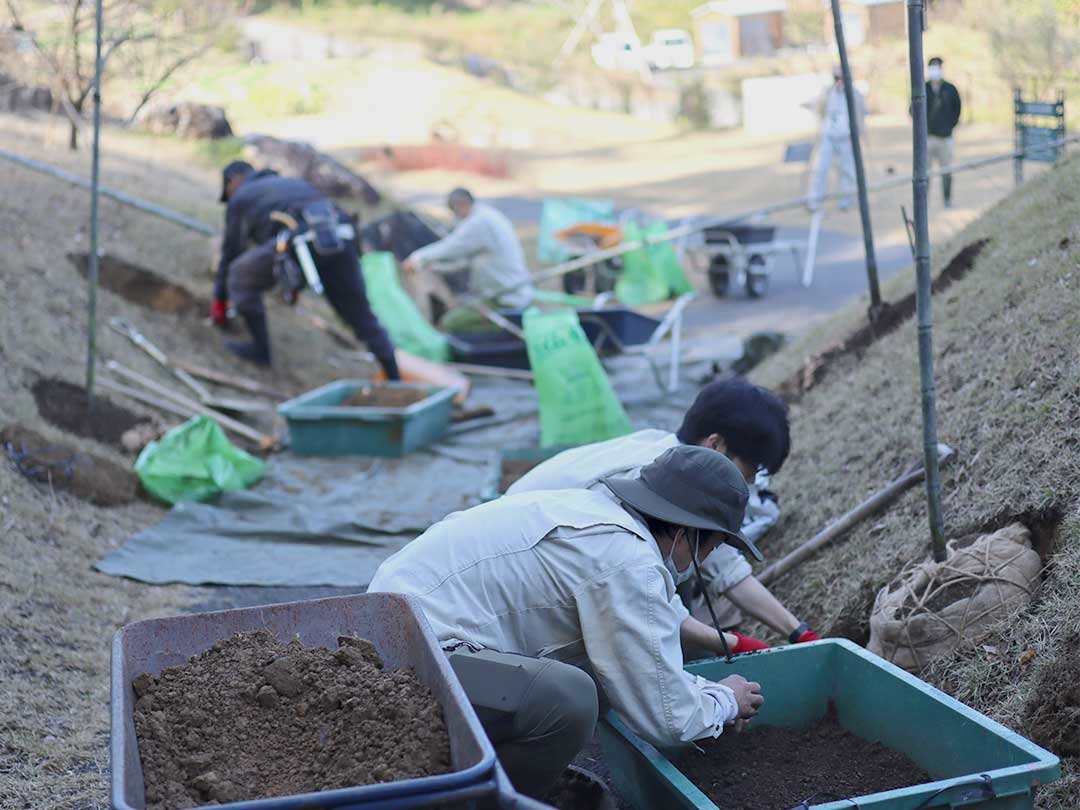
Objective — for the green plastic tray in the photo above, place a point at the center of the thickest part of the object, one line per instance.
(875, 700)
(319, 426)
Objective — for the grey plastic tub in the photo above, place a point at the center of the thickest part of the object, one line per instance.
(392, 622)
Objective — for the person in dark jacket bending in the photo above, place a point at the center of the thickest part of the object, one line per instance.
(246, 269)
(942, 116)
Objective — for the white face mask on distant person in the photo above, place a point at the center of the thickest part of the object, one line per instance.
(933, 73)
(679, 576)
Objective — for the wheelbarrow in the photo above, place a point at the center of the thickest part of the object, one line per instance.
(743, 254)
(585, 238)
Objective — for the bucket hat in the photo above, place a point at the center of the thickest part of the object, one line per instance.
(690, 486)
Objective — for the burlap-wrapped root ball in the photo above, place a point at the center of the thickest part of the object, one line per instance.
(932, 609)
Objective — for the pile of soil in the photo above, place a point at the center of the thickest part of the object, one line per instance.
(378, 396)
(773, 768)
(86, 476)
(1053, 711)
(513, 470)
(64, 405)
(253, 718)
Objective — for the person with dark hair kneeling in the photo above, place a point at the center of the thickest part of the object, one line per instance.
(749, 425)
(549, 602)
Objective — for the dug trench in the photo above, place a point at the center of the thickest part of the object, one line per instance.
(140, 286)
(891, 317)
(65, 405)
(253, 718)
(774, 768)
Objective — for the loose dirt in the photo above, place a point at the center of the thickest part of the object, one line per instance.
(140, 286)
(253, 718)
(64, 405)
(378, 396)
(61, 467)
(1053, 711)
(891, 317)
(772, 768)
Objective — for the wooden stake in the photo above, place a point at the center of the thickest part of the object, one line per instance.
(263, 441)
(221, 378)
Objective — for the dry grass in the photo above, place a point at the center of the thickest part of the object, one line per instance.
(1008, 385)
(57, 615)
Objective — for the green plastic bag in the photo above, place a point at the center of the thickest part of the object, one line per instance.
(665, 261)
(408, 329)
(641, 281)
(577, 403)
(562, 212)
(195, 461)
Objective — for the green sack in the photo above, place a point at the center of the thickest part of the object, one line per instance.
(577, 403)
(665, 261)
(641, 281)
(195, 461)
(396, 311)
(558, 213)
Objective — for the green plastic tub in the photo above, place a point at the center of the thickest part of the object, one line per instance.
(975, 761)
(320, 426)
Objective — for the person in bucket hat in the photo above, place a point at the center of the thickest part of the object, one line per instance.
(749, 425)
(549, 602)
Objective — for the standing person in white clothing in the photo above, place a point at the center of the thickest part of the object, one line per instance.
(485, 239)
(834, 143)
(535, 595)
(749, 425)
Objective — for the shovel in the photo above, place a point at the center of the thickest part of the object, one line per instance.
(124, 327)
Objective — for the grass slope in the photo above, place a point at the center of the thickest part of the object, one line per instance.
(1008, 387)
(57, 615)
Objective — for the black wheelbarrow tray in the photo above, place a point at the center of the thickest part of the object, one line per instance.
(400, 633)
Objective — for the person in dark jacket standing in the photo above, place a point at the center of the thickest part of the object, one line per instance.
(942, 116)
(260, 205)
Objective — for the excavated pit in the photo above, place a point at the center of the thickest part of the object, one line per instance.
(140, 286)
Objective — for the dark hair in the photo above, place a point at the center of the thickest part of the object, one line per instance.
(657, 526)
(460, 195)
(935, 61)
(750, 419)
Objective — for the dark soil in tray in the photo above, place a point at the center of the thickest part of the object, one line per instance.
(378, 396)
(773, 768)
(513, 470)
(253, 718)
(63, 404)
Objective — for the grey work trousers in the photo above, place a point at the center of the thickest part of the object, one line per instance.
(537, 712)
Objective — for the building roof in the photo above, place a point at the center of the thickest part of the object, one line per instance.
(740, 8)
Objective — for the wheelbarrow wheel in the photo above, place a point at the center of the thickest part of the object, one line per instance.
(719, 276)
(757, 277)
(606, 274)
(574, 282)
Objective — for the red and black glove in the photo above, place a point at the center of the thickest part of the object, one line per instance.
(747, 644)
(219, 312)
(802, 634)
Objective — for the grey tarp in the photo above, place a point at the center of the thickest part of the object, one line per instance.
(315, 521)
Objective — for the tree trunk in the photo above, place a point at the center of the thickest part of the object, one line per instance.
(73, 137)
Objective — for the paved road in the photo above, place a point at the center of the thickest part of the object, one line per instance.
(840, 274)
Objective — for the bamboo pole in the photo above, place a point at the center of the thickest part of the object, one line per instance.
(920, 182)
(860, 173)
(95, 178)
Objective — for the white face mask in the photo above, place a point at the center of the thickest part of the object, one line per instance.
(933, 73)
(679, 576)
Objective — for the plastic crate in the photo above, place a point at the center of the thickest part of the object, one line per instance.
(875, 700)
(500, 349)
(400, 633)
(743, 234)
(320, 426)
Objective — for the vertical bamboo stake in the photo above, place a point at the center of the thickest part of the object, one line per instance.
(860, 174)
(92, 269)
(920, 183)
